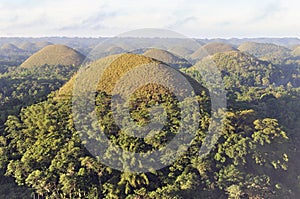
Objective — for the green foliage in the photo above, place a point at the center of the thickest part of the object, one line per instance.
(266, 51)
(256, 155)
(22, 87)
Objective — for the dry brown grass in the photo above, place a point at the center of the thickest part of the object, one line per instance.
(162, 55)
(210, 49)
(54, 55)
(296, 51)
(263, 50)
(140, 68)
(9, 48)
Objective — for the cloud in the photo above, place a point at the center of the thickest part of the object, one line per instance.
(196, 18)
(269, 11)
(94, 21)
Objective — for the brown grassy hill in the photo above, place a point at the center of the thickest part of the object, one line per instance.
(115, 50)
(34, 47)
(242, 68)
(180, 50)
(104, 50)
(167, 58)
(265, 51)
(10, 48)
(296, 51)
(28, 46)
(235, 60)
(120, 66)
(41, 44)
(54, 55)
(210, 49)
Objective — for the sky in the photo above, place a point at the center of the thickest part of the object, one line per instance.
(192, 18)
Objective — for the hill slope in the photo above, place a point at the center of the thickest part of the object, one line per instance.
(10, 48)
(121, 65)
(296, 51)
(167, 58)
(210, 49)
(181, 50)
(265, 51)
(54, 55)
(240, 69)
(28, 46)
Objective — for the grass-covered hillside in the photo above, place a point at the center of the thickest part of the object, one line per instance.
(210, 49)
(253, 155)
(54, 55)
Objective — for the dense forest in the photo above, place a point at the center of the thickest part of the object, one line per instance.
(255, 156)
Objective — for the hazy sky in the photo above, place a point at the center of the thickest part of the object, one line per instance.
(194, 18)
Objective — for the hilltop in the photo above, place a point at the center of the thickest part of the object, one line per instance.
(265, 51)
(236, 60)
(34, 47)
(296, 51)
(10, 48)
(124, 63)
(11, 55)
(167, 57)
(54, 55)
(210, 49)
(28, 46)
(238, 68)
(181, 50)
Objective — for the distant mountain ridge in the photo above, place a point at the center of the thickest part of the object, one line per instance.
(75, 42)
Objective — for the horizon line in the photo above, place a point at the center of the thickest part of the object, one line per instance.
(103, 37)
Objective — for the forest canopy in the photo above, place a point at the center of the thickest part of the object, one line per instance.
(256, 155)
